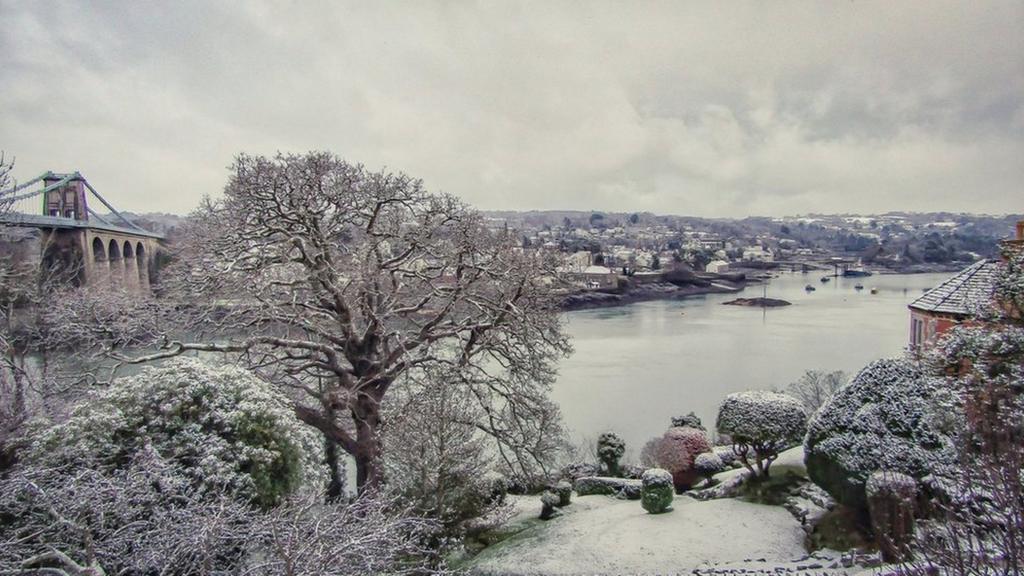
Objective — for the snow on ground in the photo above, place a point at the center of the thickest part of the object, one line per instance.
(601, 535)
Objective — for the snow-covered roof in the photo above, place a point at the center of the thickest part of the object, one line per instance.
(597, 270)
(962, 293)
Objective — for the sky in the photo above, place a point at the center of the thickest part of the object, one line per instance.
(721, 109)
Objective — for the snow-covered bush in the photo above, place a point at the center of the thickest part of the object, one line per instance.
(146, 518)
(564, 492)
(889, 417)
(576, 470)
(708, 464)
(658, 491)
(677, 452)
(610, 448)
(726, 455)
(142, 517)
(690, 420)
(548, 502)
(605, 486)
(761, 424)
(224, 429)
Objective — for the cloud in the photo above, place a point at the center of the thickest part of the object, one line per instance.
(719, 109)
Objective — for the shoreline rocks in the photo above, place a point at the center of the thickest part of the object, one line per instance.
(757, 302)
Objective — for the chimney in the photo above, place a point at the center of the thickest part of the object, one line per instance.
(1016, 244)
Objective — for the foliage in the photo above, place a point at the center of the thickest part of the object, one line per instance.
(890, 416)
(549, 502)
(690, 420)
(602, 485)
(977, 521)
(435, 458)
(564, 492)
(145, 518)
(677, 451)
(708, 464)
(223, 428)
(761, 424)
(657, 492)
(610, 448)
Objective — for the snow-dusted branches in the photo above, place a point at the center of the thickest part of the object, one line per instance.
(147, 519)
(340, 282)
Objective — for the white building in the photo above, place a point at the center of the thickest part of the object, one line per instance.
(717, 267)
(757, 254)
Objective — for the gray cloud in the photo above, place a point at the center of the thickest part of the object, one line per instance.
(722, 109)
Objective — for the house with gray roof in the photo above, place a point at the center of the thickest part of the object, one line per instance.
(951, 302)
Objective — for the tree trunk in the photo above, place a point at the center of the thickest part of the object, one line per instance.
(366, 414)
(336, 483)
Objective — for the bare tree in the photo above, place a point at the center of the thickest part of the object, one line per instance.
(815, 387)
(340, 282)
(436, 458)
(304, 537)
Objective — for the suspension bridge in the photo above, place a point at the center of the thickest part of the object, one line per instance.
(89, 248)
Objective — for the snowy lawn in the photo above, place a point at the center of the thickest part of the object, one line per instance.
(601, 535)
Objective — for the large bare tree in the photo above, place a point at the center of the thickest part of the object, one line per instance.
(341, 282)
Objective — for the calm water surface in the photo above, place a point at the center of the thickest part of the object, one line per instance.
(637, 366)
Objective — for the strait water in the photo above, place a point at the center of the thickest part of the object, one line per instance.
(636, 366)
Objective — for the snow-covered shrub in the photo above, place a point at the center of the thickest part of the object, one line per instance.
(605, 486)
(577, 470)
(889, 417)
(726, 455)
(677, 452)
(143, 517)
(891, 500)
(610, 448)
(658, 491)
(691, 420)
(548, 502)
(761, 424)
(564, 492)
(708, 464)
(226, 430)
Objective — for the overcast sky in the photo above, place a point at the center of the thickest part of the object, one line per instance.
(700, 108)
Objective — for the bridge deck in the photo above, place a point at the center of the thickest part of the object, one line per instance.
(40, 221)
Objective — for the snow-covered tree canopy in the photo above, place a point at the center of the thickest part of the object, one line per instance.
(891, 416)
(221, 427)
(340, 282)
(760, 416)
(761, 423)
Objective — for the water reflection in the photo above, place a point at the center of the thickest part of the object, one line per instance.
(638, 365)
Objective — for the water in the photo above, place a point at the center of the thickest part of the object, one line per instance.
(637, 366)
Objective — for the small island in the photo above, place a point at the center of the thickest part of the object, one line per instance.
(758, 302)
